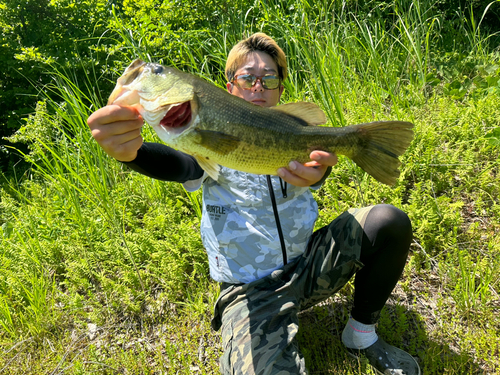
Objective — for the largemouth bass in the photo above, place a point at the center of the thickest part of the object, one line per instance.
(217, 128)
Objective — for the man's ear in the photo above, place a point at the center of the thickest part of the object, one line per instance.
(229, 86)
(282, 88)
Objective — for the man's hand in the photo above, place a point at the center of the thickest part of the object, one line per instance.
(309, 173)
(117, 129)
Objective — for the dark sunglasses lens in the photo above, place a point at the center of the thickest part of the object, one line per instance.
(270, 82)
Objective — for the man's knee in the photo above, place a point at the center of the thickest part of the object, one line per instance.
(386, 223)
(392, 219)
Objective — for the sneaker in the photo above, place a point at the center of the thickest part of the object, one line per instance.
(387, 359)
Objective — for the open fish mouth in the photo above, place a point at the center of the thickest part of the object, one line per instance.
(177, 119)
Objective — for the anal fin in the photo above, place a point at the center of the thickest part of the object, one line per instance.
(212, 168)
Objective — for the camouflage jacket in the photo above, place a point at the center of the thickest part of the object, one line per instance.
(238, 227)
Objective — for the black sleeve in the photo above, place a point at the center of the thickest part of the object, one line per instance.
(325, 176)
(161, 162)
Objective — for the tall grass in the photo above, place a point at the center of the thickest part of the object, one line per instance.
(92, 255)
(80, 182)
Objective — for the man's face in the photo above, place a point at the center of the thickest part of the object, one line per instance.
(259, 64)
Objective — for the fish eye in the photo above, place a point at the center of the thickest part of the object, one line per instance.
(157, 69)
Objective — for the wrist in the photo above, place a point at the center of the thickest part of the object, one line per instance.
(128, 158)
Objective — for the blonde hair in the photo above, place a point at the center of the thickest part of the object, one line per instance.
(254, 43)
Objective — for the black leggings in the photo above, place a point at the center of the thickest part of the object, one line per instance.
(384, 251)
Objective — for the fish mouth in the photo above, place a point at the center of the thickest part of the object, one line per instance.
(122, 96)
(177, 119)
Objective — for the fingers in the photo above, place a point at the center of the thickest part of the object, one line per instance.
(122, 147)
(324, 158)
(113, 120)
(302, 175)
(309, 173)
(117, 130)
(112, 113)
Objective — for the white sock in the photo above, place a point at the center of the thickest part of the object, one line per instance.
(357, 335)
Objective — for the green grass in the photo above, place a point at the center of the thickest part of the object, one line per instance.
(103, 270)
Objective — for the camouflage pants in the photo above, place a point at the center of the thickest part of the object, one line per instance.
(259, 319)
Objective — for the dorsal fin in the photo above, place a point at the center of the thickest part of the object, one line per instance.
(309, 112)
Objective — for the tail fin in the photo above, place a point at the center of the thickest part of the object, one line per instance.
(384, 141)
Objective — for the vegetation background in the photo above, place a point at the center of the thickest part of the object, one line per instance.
(102, 270)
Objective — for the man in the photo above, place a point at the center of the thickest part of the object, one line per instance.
(260, 241)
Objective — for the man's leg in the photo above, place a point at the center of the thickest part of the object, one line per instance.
(384, 252)
(385, 246)
(380, 236)
(259, 324)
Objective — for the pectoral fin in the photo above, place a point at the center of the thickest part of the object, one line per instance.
(218, 142)
(208, 166)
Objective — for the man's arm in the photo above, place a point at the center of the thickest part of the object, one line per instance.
(164, 163)
(117, 129)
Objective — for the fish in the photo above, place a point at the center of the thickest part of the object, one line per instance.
(198, 118)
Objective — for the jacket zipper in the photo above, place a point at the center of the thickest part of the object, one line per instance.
(276, 216)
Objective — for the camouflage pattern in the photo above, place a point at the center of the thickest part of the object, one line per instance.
(238, 227)
(259, 319)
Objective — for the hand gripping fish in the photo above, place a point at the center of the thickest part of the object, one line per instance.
(217, 128)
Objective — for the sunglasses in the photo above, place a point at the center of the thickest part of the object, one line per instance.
(247, 81)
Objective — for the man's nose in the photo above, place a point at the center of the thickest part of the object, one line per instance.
(258, 86)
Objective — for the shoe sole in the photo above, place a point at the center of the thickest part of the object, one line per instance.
(358, 358)
(374, 368)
